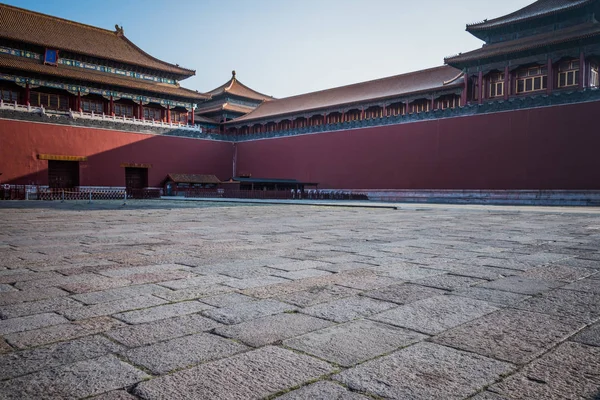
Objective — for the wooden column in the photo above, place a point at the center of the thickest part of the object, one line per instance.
(464, 95)
(432, 103)
(362, 114)
(168, 113)
(506, 82)
(111, 106)
(384, 111)
(79, 101)
(193, 116)
(581, 71)
(141, 111)
(27, 94)
(407, 107)
(550, 79)
(480, 88)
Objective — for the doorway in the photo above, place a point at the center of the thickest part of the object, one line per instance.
(63, 174)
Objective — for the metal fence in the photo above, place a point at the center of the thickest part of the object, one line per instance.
(32, 192)
(274, 194)
(13, 192)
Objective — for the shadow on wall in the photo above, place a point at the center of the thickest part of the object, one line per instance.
(104, 155)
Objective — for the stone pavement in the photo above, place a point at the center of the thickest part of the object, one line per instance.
(158, 300)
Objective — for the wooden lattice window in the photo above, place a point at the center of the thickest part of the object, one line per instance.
(152, 114)
(496, 85)
(9, 95)
(532, 79)
(594, 77)
(178, 116)
(49, 101)
(124, 110)
(568, 74)
(90, 105)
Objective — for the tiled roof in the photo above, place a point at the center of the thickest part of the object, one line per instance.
(237, 88)
(528, 43)
(193, 178)
(23, 64)
(538, 9)
(57, 33)
(394, 86)
(224, 107)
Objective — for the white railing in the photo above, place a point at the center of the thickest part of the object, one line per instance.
(98, 117)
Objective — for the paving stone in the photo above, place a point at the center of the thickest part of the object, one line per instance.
(56, 304)
(80, 379)
(558, 273)
(302, 274)
(510, 335)
(71, 282)
(254, 282)
(436, 314)
(24, 362)
(425, 371)
(194, 293)
(147, 269)
(318, 294)
(105, 296)
(112, 307)
(186, 351)
(271, 329)
(589, 336)
(517, 284)
(581, 305)
(226, 300)
(288, 287)
(4, 347)
(161, 312)
(477, 271)
(353, 342)
(449, 282)
(349, 266)
(252, 375)
(323, 390)
(298, 265)
(27, 276)
(6, 288)
(570, 371)
(114, 395)
(347, 309)
(487, 396)
(365, 279)
(404, 293)
(164, 329)
(30, 322)
(498, 297)
(30, 295)
(580, 262)
(585, 285)
(248, 272)
(248, 311)
(62, 332)
(200, 281)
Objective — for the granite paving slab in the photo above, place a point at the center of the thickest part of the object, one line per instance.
(435, 314)
(248, 311)
(585, 285)
(517, 284)
(4, 347)
(301, 274)
(449, 282)
(14, 297)
(105, 296)
(226, 300)
(510, 335)
(252, 375)
(55, 304)
(324, 390)
(589, 336)
(347, 309)
(568, 303)
(114, 395)
(194, 293)
(81, 379)
(163, 357)
(254, 282)
(498, 297)
(425, 371)
(30, 322)
(353, 342)
(570, 371)
(268, 330)
(111, 307)
(202, 281)
(404, 293)
(318, 294)
(558, 273)
(161, 312)
(164, 329)
(298, 265)
(24, 362)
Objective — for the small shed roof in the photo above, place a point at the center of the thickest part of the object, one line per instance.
(192, 178)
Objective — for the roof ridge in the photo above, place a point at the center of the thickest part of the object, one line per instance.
(249, 88)
(365, 82)
(152, 57)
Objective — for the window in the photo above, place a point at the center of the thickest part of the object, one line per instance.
(496, 85)
(95, 106)
(152, 114)
(594, 82)
(568, 74)
(420, 106)
(532, 79)
(9, 95)
(178, 116)
(124, 110)
(448, 102)
(49, 101)
(396, 109)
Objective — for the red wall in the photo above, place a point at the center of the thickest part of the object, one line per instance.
(545, 148)
(21, 142)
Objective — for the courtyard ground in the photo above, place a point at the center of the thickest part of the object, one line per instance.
(186, 300)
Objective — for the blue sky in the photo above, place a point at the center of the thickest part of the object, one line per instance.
(288, 47)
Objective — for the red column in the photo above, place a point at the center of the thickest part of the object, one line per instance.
(111, 106)
(362, 113)
(480, 87)
(464, 94)
(79, 101)
(141, 111)
(192, 116)
(581, 70)
(432, 104)
(384, 111)
(168, 113)
(550, 84)
(27, 94)
(506, 82)
(407, 108)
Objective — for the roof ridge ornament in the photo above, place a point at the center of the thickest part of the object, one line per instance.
(119, 30)
(233, 74)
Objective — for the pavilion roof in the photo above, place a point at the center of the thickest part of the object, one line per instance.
(61, 34)
(394, 86)
(62, 71)
(193, 178)
(540, 8)
(237, 88)
(528, 43)
(224, 107)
